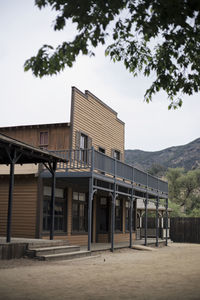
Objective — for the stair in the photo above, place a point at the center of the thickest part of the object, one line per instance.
(54, 250)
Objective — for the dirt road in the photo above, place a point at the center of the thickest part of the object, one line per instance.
(167, 273)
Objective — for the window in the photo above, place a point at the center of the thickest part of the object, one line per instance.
(44, 138)
(127, 215)
(59, 212)
(118, 215)
(102, 150)
(103, 215)
(79, 212)
(116, 154)
(83, 147)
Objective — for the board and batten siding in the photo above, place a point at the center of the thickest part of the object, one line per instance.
(58, 135)
(24, 206)
(99, 122)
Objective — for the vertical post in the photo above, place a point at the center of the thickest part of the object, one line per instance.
(146, 201)
(10, 200)
(90, 200)
(90, 212)
(157, 205)
(131, 219)
(52, 206)
(166, 222)
(113, 219)
(113, 210)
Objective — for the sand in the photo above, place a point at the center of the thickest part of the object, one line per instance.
(171, 272)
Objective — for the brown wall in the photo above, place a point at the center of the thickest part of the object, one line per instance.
(92, 117)
(24, 206)
(59, 135)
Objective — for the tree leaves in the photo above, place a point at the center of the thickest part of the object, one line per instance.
(150, 37)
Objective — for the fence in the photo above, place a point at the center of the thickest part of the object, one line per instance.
(185, 230)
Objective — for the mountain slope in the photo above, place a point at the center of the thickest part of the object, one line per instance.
(186, 156)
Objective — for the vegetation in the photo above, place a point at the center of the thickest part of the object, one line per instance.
(155, 37)
(184, 192)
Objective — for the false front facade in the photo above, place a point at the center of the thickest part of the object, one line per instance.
(96, 192)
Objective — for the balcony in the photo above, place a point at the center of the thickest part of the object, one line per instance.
(107, 167)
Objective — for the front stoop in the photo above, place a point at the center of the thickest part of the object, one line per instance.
(55, 252)
(65, 256)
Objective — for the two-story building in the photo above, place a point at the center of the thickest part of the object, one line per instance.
(96, 192)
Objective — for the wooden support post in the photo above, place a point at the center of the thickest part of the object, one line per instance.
(146, 202)
(10, 200)
(157, 205)
(52, 206)
(131, 219)
(166, 223)
(90, 213)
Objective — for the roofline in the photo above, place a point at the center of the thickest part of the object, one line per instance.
(38, 125)
(88, 93)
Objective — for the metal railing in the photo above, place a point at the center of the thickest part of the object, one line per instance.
(96, 161)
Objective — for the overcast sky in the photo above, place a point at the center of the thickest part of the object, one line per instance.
(28, 100)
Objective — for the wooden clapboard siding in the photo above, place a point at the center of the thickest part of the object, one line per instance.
(24, 206)
(59, 134)
(123, 237)
(103, 238)
(91, 116)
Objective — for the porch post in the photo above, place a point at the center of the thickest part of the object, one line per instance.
(166, 222)
(146, 202)
(157, 205)
(113, 210)
(90, 200)
(90, 212)
(131, 220)
(10, 200)
(52, 206)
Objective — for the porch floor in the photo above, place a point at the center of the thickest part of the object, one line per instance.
(107, 246)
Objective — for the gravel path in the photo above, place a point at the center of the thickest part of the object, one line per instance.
(171, 272)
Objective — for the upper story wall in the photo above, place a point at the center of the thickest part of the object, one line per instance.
(93, 118)
(49, 136)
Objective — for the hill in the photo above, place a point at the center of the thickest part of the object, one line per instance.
(186, 156)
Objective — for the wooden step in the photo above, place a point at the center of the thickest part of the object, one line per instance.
(47, 243)
(51, 250)
(64, 256)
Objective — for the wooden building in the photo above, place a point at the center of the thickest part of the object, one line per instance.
(96, 192)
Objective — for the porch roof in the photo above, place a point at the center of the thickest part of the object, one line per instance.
(25, 153)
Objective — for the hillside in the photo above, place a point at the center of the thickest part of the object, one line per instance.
(186, 156)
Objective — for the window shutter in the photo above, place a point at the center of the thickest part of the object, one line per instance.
(112, 153)
(77, 141)
(89, 143)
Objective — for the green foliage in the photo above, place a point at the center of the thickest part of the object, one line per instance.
(153, 37)
(176, 210)
(157, 170)
(184, 190)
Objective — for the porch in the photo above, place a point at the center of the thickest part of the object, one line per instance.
(108, 175)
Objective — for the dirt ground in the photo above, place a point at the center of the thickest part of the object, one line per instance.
(171, 272)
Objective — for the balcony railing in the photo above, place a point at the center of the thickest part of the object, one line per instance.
(82, 159)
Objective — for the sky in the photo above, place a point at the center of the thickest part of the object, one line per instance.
(26, 100)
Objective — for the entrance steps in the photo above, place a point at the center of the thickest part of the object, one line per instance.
(55, 250)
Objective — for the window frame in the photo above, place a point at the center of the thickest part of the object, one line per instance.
(45, 143)
(46, 214)
(80, 203)
(119, 219)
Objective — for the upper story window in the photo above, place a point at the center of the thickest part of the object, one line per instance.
(116, 154)
(102, 150)
(83, 141)
(44, 138)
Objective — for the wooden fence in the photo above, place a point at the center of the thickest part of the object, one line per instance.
(185, 230)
